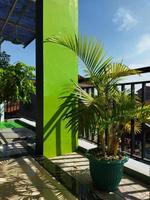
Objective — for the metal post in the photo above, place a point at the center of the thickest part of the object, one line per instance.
(132, 122)
(142, 131)
(39, 78)
(2, 104)
(122, 87)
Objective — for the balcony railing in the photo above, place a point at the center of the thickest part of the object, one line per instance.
(136, 145)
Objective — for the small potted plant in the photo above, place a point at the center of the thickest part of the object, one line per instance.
(108, 112)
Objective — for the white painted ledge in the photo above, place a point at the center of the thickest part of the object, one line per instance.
(32, 123)
(86, 145)
(137, 166)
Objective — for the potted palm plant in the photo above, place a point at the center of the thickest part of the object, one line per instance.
(109, 110)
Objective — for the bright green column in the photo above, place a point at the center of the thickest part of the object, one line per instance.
(60, 67)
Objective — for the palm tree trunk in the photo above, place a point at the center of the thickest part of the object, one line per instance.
(102, 144)
(114, 145)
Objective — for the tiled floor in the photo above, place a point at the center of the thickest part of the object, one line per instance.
(24, 179)
(11, 141)
(78, 166)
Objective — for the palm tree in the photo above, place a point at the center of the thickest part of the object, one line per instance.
(110, 110)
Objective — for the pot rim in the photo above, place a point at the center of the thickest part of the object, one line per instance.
(111, 162)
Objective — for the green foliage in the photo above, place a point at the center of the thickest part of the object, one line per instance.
(4, 59)
(110, 109)
(16, 83)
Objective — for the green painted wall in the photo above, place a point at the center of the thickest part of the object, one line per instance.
(60, 67)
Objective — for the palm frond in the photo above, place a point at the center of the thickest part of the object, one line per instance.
(137, 127)
(117, 70)
(90, 51)
(78, 106)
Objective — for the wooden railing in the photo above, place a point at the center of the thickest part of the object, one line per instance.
(11, 108)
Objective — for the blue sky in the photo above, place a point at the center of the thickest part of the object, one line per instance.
(122, 27)
(18, 53)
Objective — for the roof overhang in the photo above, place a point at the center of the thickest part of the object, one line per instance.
(17, 21)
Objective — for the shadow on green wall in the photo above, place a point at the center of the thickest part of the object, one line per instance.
(55, 124)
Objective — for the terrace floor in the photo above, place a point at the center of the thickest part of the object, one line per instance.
(24, 179)
(12, 141)
(77, 166)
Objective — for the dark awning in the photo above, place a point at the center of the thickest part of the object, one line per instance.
(17, 21)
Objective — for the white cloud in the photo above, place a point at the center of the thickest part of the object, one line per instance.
(144, 44)
(124, 19)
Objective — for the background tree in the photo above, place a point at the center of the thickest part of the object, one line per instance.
(16, 81)
(4, 59)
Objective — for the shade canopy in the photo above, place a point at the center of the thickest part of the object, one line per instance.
(17, 21)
